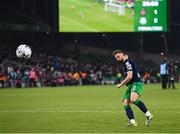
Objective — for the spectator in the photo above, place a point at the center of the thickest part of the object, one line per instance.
(2, 77)
(32, 78)
(164, 73)
(172, 73)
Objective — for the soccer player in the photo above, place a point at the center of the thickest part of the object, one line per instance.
(134, 88)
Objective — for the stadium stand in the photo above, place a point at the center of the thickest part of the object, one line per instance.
(46, 70)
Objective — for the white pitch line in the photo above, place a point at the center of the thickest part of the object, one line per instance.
(54, 111)
(67, 111)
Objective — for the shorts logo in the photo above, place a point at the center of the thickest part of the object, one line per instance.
(133, 88)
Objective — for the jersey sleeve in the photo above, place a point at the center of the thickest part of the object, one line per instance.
(128, 66)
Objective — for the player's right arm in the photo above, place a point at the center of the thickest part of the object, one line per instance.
(126, 80)
(129, 76)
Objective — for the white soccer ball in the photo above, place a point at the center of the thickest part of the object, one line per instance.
(23, 52)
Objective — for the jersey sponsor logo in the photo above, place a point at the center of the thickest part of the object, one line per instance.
(128, 66)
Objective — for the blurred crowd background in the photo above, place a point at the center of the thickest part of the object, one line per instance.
(72, 68)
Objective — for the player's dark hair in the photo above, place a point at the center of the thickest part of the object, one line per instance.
(117, 51)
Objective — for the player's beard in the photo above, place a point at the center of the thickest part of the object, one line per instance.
(120, 61)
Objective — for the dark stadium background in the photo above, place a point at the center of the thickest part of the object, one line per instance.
(36, 22)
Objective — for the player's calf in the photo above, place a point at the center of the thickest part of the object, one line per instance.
(143, 108)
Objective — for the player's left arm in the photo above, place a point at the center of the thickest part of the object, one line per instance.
(126, 80)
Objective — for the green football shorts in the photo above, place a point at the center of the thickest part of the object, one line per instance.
(136, 87)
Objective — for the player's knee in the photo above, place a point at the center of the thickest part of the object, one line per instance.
(125, 102)
(133, 99)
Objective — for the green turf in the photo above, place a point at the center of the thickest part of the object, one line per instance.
(90, 109)
(88, 16)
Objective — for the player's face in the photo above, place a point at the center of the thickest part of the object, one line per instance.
(119, 57)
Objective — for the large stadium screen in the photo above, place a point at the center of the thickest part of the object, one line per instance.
(112, 15)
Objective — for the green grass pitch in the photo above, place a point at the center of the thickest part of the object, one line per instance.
(89, 16)
(85, 109)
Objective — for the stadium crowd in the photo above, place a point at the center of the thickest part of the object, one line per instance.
(43, 70)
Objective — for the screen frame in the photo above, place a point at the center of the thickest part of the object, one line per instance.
(168, 17)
